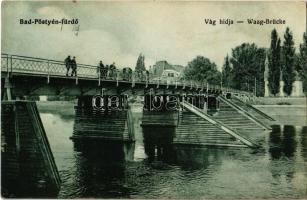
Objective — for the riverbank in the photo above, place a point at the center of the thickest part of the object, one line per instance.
(294, 114)
(286, 111)
(286, 114)
(279, 101)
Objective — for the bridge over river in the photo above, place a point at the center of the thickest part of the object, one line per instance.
(38, 76)
(194, 113)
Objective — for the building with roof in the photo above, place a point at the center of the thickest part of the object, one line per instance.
(160, 66)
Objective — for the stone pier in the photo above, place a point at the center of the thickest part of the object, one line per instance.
(26, 157)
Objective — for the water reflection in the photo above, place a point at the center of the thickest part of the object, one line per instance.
(101, 167)
(289, 141)
(108, 170)
(159, 148)
(282, 148)
(190, 157)
(282, 142)
(304, 142)
(158, 143)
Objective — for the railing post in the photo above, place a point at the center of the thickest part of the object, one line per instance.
(48, 72)
(11, 65)
(147, 79)
(133, 79)
(108, 74)
(7, 63)
(99, 77)
(117, 78)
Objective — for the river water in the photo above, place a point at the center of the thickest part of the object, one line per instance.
(112, 170)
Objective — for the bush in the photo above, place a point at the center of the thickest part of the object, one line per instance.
(284, 103)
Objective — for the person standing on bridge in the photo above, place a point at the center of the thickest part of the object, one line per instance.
(67, 62)
(147, 75)
(124, 74)
(129, 74)
(74, 66)
(113, 70)
(100, 69)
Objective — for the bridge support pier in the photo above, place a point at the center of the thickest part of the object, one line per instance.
(30, 169)
(105, 117)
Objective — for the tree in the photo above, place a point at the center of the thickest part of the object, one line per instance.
(260, 66)
(248, 67)
(140, 63)
(302, 62)
(203, 70)
(226, 73)
(288, 59)
(274, 63)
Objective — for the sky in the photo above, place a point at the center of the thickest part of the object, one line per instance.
(119, 31)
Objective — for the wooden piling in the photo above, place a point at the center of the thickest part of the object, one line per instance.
(103, 125)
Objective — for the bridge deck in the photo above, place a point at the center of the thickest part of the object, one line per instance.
(15, 65)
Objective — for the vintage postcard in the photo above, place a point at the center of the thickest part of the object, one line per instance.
(154, 99)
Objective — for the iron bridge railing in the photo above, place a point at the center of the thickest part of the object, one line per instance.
(46, 67)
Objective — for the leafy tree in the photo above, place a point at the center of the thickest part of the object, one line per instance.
(288, 55)
(203, 70)
(274, 63)
(140, 63)
(260, 66)
(248, 67)
(226, 73)
(302, 62)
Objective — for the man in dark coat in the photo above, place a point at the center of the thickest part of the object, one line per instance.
(147, 75)
(67, 62)
(74, 66)
(125, 77)
(129, 74)
(112, 71)
(100, 69)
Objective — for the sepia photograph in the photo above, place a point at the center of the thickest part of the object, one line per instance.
(153, 99)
